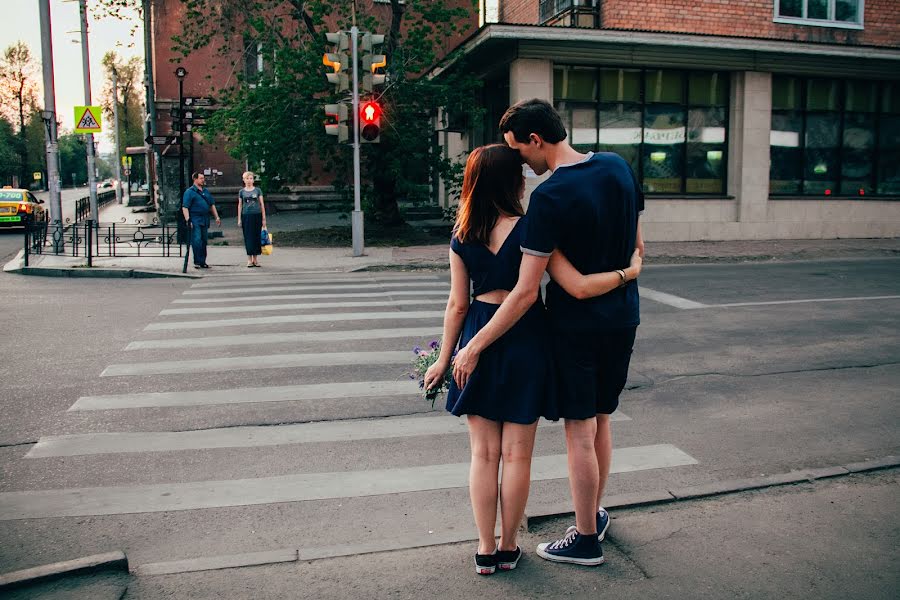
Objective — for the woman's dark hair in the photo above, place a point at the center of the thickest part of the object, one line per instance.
(533, 116)
(491, 187)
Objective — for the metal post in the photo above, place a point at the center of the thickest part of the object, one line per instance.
(89, 137)
(115, 91)
(150, 120)
(89, 245)
(50, 123)
(184, 234)
(357, 220)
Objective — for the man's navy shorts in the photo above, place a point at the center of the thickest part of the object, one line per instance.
(592, 369)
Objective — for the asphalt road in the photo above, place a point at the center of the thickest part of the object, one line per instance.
(739, 371)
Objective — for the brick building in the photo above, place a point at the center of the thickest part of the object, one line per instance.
(743, 120)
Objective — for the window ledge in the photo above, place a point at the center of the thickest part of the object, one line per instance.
(652, 196)
(819, 23)
(821, 198)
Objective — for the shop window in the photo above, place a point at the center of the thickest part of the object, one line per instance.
(888, 172)
(826, 13)
(831, 137)
(671, 126)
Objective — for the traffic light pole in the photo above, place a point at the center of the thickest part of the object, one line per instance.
(357, 220)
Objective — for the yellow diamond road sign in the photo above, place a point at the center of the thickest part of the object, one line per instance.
(87, 119)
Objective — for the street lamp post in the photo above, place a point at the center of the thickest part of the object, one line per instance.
(181, 73)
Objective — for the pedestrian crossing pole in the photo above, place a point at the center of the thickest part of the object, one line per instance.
(89, 137)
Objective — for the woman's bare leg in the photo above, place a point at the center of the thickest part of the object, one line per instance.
(484, 437)
(517, 446)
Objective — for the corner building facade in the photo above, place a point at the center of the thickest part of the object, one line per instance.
(764, 119)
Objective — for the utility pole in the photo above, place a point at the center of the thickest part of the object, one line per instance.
(89, 137)
(49, 117)
(115, 91)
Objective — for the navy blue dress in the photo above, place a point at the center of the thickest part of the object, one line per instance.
(513, 381)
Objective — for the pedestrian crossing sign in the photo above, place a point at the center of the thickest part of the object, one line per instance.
(87, 119)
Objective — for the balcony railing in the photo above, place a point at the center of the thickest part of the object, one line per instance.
(570, 13)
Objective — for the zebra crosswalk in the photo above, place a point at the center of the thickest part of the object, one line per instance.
(196, 419)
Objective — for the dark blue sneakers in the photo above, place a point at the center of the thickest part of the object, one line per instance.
(575, 548)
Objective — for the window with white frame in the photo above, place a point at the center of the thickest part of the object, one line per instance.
(826, 13)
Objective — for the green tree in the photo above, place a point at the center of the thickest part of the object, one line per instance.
(277, 123)
(10, 161)
(18, 98)
(130, 75)
(73, 158)
(35, 147)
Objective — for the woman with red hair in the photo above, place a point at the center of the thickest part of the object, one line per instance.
(513, 385)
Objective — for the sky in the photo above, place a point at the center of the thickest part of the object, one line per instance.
(21, 22)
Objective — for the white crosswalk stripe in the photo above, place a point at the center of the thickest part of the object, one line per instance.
(255, 363)
(255, 436)
(344, 295)
(248, 395)
(218, 310)
(117, 500)
(255, 282)
(291, 288)
(264, 339)
(315, 318)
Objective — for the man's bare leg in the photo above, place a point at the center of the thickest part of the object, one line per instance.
(603, 450)
(583, 472)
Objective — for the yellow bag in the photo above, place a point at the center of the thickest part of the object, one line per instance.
(267, 248)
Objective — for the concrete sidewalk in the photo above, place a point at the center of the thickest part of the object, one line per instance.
(834, 538)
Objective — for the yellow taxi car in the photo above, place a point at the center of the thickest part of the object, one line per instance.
(19, 208)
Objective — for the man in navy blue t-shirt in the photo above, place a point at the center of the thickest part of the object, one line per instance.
(589, 210)
(196, 205)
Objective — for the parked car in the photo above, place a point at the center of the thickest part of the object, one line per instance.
(106, 184)
(19, 208)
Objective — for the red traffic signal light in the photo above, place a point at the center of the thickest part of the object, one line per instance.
(370, 115)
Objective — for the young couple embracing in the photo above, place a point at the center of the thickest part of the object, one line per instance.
(518, 360)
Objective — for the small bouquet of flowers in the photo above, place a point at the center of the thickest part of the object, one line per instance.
(425, 357)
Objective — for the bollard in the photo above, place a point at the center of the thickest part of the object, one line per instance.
(26, 245)
(89, 238)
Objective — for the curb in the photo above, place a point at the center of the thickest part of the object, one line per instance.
(88, 564)
(623, 501)
(95, 272)
(719, 488)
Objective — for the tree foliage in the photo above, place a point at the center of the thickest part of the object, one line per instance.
(19, 99)
(130, 75)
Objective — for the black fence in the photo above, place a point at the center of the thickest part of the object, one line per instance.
(90, 239)
(83, 205)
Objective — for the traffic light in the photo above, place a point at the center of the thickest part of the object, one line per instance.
(370, 122)
(371, 62)
(338, 61)
(336, 121)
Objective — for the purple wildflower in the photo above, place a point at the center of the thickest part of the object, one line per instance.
(434, 344)
(416, 350)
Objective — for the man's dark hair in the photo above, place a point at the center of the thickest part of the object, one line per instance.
(195, 176)
(533, 116)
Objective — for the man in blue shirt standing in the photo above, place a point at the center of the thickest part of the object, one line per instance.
(196, 205)
(588, 209)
